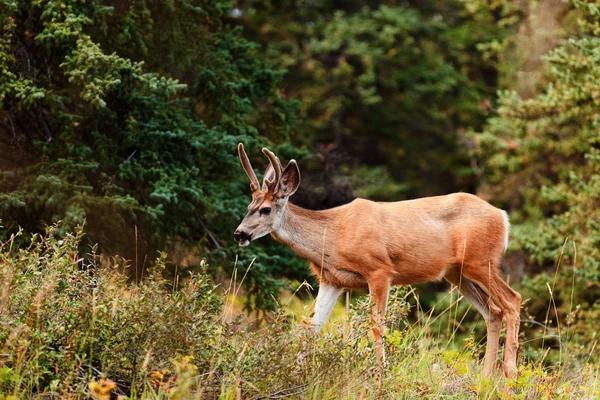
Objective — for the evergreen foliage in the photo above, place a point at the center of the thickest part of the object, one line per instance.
(543, 163)
(387, 83)
(125, 115)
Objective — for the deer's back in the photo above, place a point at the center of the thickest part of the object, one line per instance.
(417, 240)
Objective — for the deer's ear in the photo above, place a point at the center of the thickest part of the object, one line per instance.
(290, 179)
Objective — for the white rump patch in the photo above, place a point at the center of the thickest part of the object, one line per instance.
(506, 228)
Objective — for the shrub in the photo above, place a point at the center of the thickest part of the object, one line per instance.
(64, 322)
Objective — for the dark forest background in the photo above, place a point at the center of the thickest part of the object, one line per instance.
(125, 116)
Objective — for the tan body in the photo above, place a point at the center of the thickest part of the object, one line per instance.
(374, 245)
(404, 242)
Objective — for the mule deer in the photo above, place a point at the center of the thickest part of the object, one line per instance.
(366, 244)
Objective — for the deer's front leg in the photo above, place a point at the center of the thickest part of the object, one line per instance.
(379, 289)
(326, 298)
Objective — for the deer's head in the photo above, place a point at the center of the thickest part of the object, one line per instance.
(268, 202)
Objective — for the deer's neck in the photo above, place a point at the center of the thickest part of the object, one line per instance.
(308, 233)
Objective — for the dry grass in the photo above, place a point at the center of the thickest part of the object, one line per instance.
(70, 329)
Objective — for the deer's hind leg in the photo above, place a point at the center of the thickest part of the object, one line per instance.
(491, 314)
(379, 289)
(488, 278)
(510, 302)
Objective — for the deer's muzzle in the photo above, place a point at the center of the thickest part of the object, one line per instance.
(242, 237)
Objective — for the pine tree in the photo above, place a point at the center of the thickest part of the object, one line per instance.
(543, 162)
(126, 115)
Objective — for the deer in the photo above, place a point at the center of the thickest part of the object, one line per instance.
(458, 237)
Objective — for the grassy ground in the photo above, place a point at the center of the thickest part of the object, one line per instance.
(73, 329)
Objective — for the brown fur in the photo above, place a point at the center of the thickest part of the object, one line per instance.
(373, 245)
(407, 242)
(365, 244)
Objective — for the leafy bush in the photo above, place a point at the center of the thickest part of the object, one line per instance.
(65, 320)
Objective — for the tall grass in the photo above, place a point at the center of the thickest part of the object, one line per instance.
(74, 328)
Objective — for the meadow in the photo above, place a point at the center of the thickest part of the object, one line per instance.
(79, 329)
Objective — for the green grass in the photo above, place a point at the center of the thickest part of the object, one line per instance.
(73, 329)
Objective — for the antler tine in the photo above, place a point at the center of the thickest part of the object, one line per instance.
(276, 167)
(248, 168)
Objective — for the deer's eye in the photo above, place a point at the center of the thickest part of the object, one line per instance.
(265, 211)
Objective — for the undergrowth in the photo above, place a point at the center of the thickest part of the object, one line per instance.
(75, 328)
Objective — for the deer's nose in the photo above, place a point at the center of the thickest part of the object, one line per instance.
(241, 235)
